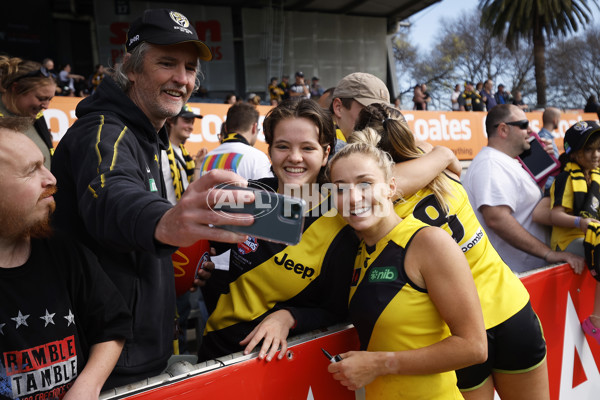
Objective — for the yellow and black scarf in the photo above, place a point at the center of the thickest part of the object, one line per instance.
(234, 137)
(586, 200)
(188, 165)
(591, 247)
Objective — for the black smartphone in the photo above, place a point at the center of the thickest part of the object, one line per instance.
(536, 161)
(277, 217)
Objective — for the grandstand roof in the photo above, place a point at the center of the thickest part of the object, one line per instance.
(393, 10)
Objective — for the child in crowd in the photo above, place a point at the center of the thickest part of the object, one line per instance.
(575, 195)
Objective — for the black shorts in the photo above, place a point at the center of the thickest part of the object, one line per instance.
(515, 346)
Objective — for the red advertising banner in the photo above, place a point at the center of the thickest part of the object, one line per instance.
(463, 132)
(561, 299)
(302, 374)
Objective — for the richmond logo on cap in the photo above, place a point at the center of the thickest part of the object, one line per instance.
(580, 126)
(179, 18)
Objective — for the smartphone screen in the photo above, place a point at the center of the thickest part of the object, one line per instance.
(537, 161)
(277, 218)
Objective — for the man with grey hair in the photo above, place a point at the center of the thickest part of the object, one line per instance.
(112, 194)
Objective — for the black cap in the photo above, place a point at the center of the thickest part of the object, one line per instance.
(300, 73)
(315, 78)
(163, 26)
(577, 135)
(469, 83)
(186, 112)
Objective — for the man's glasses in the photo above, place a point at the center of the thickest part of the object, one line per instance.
(522, 124)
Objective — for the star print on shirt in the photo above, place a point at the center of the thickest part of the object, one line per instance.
(2, 326)
(70, 318)
(20, 319)
(48, 318)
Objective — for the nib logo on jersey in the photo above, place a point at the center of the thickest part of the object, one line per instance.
(383, 274)
(47, 370)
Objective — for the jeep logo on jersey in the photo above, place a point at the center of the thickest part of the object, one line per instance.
(179, 19)
(291, 265)
(383, 274)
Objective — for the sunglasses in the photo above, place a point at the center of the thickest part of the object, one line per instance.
(38, 73)
(522, 124)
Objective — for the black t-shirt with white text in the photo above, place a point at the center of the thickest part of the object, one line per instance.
(54, 308)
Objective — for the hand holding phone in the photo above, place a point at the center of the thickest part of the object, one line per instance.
(277, 218)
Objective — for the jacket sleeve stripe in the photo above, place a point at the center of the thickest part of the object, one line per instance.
(93, 192)
(116, 148)
(98, 141)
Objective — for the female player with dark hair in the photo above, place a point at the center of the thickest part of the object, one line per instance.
(275, 289)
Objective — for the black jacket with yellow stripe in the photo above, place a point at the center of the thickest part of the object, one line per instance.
(110, 196)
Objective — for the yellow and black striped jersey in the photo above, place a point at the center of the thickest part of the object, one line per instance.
(501, 293)
(391, 313)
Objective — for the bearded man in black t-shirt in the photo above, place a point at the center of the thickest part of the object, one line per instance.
(62, 321)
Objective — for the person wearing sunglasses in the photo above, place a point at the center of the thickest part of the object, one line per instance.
(26, 91)
(504, 195)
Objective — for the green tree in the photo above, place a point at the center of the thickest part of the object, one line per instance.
(574, 69)
(464, 50)
(475, 54)
(405, 55)
(538, 21)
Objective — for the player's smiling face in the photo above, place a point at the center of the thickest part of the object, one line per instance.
(364, 194)
(296, 154)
